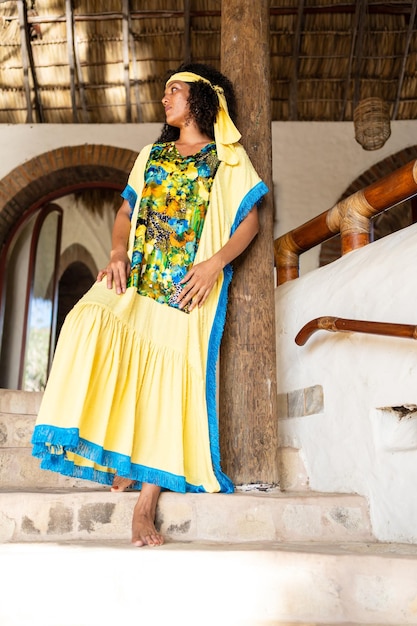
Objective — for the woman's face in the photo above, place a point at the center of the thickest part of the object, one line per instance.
(175, 103)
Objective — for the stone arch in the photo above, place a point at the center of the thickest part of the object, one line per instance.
(59, 172)
(331, 250)
(76, 252)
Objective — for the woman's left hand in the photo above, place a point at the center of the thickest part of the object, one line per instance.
(198, 283)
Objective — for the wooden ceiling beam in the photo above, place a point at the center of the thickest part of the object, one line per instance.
(126, 60)
(360, 40)
(404, 60)
(351, 57)
(187, 31)
(116, 15)
(382, 8)
(80, 81)
(135, 78)
(293, 98)
(71, 59)
(28, 63)
(25, 58)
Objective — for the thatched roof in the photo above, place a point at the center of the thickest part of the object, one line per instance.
(96, 61)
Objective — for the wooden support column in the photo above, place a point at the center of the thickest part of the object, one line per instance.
(248, 416)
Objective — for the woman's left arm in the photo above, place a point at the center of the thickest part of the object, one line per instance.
(200, 280)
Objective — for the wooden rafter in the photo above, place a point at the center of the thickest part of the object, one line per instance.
(126, 60)
(27, 63)
(404, 60)
(69, 14)
(293, 114)
(360, 41)
(135, 72)
(80, 76)
(187, 31)
(351, 57)
(28, 53)
(383, 8)
(25, 57)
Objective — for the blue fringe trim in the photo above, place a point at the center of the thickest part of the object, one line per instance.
(50, 444)
(252, 198)
(226, 486)
(130, 195)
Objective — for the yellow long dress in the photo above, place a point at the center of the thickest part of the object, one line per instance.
(132, 389)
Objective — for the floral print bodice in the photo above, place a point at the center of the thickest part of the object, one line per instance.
(172, 210)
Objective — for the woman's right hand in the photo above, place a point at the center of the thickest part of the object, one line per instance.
(118, 268)
(117, 271)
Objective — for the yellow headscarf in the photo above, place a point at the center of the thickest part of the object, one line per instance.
(225, 132)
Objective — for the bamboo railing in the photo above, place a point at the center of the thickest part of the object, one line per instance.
(350, 217)
(340, 324)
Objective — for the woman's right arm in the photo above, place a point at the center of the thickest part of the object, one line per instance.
(118, 268)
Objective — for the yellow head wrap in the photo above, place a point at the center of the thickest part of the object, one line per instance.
(225, 132)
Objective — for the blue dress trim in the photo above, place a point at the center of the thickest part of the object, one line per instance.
(252, 198)
(59, 440)
(130, 195)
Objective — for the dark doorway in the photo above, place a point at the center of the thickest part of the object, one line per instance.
(73, 284)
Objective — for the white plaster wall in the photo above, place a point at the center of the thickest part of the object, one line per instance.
(22, 142)
(353, 446)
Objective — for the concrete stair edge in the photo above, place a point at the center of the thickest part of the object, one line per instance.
(74, 514)
(89, 584)
(21, 402)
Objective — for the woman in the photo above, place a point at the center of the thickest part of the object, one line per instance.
(130, 399)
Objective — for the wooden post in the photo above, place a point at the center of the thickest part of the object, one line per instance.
(248, 416)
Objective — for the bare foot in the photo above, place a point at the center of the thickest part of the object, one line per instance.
(121, 484)
(144, 532)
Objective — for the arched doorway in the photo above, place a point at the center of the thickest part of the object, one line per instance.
(70, 176)
(73, 284)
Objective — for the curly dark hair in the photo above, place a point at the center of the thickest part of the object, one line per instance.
(203, 100)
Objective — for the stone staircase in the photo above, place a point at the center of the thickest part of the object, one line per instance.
(252, 558)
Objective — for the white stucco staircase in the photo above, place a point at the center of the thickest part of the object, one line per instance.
(248, 559)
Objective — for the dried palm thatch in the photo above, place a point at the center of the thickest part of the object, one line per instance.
(105, 61)
(96, 200)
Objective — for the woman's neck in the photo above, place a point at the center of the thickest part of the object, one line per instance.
(191, 140)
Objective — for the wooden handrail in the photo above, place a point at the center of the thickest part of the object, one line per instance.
(349, 217)
(340, 324)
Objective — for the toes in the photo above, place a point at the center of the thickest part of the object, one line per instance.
(155, 540)
(150, 540)
(121, 484)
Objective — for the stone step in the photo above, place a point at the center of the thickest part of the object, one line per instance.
(21, 402)
(18, 468)
(46, 515)
(260, 584)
